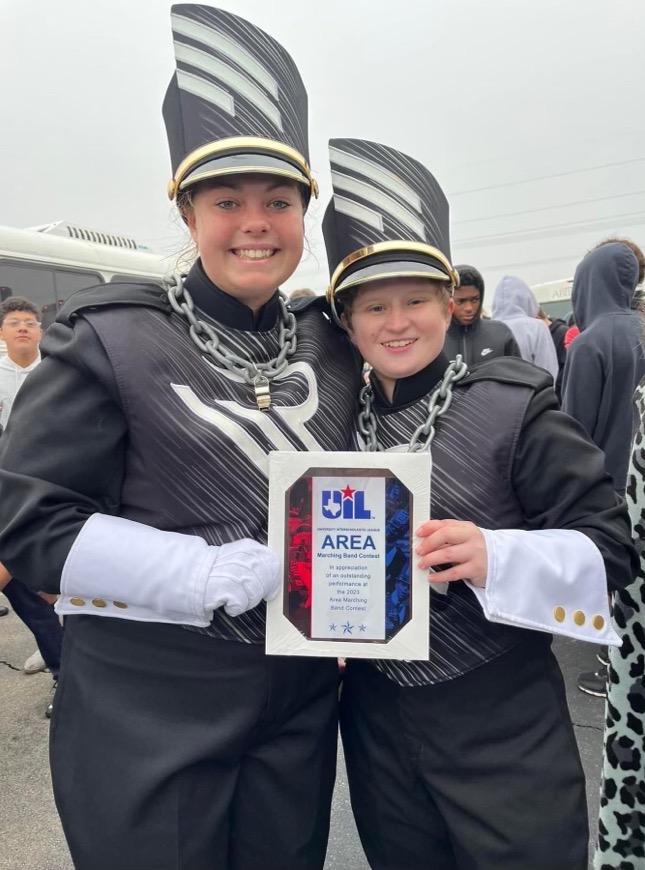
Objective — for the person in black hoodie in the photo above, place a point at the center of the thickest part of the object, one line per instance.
(475, 339)
(606, 363)
(558, 329)
(604, 366)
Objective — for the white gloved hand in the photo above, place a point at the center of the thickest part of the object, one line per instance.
(243, 574)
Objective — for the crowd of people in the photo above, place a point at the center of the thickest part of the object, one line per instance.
(145, 518)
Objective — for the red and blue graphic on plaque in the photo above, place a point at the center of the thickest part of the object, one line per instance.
(348, 552)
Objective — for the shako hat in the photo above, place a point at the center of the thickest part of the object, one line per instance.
(388, 218)
(235, 104)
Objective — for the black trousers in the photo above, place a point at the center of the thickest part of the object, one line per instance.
(479, 773)
(41, 619)
(171, 750)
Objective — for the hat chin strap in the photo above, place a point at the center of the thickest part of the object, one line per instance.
(334, 312)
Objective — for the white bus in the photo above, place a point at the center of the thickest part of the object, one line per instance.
(49, 263)
(555, 297)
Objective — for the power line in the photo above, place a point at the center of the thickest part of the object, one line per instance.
(620, 136)
(575, 257)
(548, 208)
(546, 177)
(570, 228)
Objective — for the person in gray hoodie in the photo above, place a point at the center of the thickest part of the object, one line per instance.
(516, 306)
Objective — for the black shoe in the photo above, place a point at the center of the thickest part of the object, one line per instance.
(603, 656)
(50, 708)
(594, 683)
(3, 610)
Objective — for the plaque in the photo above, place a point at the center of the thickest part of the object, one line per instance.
(342, 525)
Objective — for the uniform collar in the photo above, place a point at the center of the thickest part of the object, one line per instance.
(410, 389)
(226, 309)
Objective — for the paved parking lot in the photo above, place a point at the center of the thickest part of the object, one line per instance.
(30, 835)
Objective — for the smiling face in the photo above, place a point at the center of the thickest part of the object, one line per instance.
(399, 326)
(249, 231)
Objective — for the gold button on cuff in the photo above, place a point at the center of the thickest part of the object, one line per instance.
(559, 614)
(598, 622)
(77, 602)
(120, 604)
(579, 617)
(99, 602)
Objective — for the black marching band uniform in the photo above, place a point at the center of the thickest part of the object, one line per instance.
(469, 760)
(176, 742)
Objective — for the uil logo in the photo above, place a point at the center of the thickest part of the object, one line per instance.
(347, 503)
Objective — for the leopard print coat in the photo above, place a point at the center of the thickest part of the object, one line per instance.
(621, 826)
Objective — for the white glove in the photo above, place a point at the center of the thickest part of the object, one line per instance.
(127, 570)
(243, 574)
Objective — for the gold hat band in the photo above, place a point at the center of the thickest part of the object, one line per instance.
(382, 247)
(241, 143)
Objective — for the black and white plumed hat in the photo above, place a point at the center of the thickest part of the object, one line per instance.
(235, 104)
(388, 218)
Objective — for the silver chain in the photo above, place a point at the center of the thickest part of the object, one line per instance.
(204, 336)
(438, 404)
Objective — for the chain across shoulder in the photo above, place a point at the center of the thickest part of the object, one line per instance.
(438, 403)
(205, 338)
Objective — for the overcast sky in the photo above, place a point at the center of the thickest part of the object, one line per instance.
(530, 113)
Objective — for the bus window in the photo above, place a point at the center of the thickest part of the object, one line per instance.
(37, 284)
(68, 282)
(48, 315)
(561, 309)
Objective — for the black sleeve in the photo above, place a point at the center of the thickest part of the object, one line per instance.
(558, 339)
(560, 349)
(560, 480)
(61, 456)
(511, 347)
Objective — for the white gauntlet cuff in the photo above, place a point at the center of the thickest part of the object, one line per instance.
(551, 580)
(120, 568)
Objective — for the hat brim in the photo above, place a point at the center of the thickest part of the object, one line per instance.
(390, 270)
(244, 163)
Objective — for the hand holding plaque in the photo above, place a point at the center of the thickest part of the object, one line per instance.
(343, 525)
